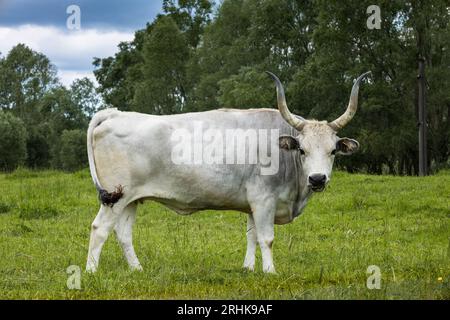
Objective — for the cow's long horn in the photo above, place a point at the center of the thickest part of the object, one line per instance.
(282, 105)
(342, 121)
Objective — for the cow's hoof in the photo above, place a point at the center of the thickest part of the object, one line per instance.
(136, 268)
(249, 268)
(91, 270)
(270, 270)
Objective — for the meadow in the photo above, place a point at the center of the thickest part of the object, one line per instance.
(400, 224)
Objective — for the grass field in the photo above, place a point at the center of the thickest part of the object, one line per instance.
(400, 224)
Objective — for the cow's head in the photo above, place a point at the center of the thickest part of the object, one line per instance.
(317, 142)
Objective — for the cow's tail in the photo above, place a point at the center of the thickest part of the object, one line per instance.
(107, 198)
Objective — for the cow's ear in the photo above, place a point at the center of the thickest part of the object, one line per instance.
(347, 146)
(288, 142)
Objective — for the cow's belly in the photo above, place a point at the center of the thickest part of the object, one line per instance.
(187, 209)
(186, 193)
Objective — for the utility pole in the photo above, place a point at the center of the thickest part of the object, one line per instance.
(422, 113)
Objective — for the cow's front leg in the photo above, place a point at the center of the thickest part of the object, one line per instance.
(124, 233)
(264, 217)
(249, 262)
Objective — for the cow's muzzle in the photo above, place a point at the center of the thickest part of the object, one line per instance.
(317, 182)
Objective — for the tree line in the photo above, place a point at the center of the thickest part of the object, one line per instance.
(196, 56)
(42, 123)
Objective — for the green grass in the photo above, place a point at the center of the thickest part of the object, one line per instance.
(401, 224)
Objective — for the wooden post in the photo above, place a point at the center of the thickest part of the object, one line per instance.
(423, 167)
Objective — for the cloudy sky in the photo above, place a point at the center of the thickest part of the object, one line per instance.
(42, 25)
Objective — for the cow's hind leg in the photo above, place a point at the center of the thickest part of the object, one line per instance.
(124, 234)
(101, 227)
(249, 262)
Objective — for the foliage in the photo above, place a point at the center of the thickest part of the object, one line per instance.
(24, 78)
(250, 88)
(30, 91)
(162, 90)
(13, 135)
(73, 154)
(191, 16)
(85, 97)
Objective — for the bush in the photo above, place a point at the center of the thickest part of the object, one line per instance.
(38, 146)
(73, 154)
(13, 141)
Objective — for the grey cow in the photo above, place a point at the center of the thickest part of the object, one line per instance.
(186, 162)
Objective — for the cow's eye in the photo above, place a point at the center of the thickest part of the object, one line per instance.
(302, 152)
(333, 152)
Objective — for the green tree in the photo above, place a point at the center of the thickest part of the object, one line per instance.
(429, 26)
(59, 112)
(163, 90)
(85, 96)
(25, 77)
(191, 17)
(223, 52)
(117, 76)
(250, 88)
(59, 107)
(73, 154)
(39, 146)
(13, 149)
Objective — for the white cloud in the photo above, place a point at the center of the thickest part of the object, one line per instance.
(68, 76)
(70, 51)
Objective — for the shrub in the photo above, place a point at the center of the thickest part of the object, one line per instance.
(38, 146)
(13, 141)
(73, 154)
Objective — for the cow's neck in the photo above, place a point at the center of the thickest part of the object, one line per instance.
(303, 192)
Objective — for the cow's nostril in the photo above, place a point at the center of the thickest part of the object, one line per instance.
(317, 179)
